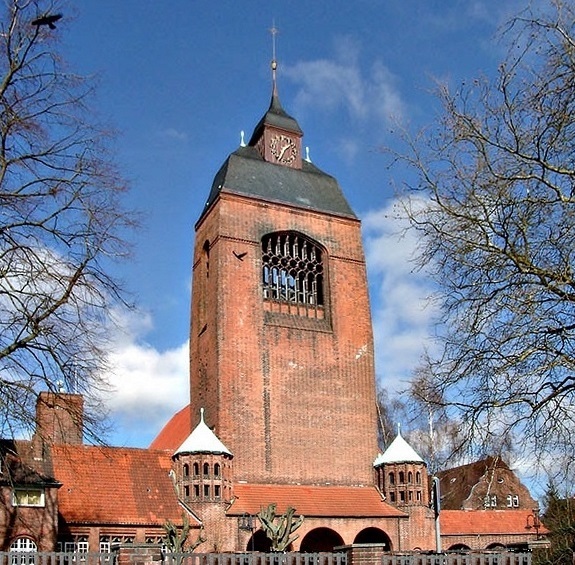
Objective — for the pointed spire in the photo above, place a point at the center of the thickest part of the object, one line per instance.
(399, 451)
(202, 440)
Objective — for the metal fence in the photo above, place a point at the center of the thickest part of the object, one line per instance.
(471, 558)
(55, 558)
(255, 558)
(291, 558)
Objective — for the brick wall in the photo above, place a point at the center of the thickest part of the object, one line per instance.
(293, 398)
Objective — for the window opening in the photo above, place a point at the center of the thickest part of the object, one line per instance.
(22, 550)
(206, 469)
(186, 470)
(391, 478)
(292, 270)
(196, 469)
(401, 477)
(28, 497)
(217, 470)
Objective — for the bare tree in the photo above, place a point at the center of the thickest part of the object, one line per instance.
(494, 204)
(61, 220)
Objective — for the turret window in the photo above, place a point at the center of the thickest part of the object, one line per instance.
(196, 469)
(206, 470)
(292, 271)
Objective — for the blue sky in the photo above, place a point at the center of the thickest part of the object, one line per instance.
(180, 80)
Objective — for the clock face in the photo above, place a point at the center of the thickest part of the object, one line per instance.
(283, 148)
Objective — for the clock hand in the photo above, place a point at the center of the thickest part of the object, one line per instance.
(283, 150)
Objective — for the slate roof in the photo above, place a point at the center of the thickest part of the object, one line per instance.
(202, 440)
(175, 431)
(312, 501)
(485, 522)
(18, 467)
(115, 485)
(245, 172)
(275, 116)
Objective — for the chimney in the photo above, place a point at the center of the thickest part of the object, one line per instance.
(59, 418)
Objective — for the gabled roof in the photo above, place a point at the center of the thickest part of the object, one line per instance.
(466, 486)
(175, 431)
(246, 173)
(399, 451)
(312, 500)
(202, 440)
(115, 485)
(485, 522)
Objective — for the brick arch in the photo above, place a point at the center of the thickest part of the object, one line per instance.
(320, 539)
(373, 535)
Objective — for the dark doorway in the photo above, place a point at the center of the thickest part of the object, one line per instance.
(320, 539)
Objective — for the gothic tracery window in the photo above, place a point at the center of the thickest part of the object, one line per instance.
(292, 271)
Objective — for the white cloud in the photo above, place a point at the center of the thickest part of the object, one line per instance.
(341, 83)
(402, 309)
(148, 386)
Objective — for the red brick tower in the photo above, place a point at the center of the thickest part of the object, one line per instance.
(281, 339)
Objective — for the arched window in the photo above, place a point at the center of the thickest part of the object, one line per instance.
(401, 477)
(217, 470)
(186, 470)
(410, 477)
(21, 550)
(206, 469)
(391, 478)
(418, 478)
(292, 269)
(196, 469)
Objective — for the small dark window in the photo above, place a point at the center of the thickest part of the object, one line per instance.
(206, 470)
(186, 470)
(196, 469)
(197, 491)
(391, 497)
(217, 491)
(418, 478)
(401, 477)
(410, 477)
(217, 470)
(187, 491)
(206, 491)
(391, 478)
(402, 496)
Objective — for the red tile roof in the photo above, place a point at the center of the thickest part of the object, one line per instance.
(309, 500)
(484, 522)
(113, 485)
(175, 432)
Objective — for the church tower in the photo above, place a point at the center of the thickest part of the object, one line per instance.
(281, 345)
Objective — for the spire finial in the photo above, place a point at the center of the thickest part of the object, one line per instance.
(274, 31)
(398, 428)
(202, 414)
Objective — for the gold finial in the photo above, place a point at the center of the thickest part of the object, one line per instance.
(274, 31)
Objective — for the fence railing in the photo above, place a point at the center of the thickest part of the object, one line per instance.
(55, 558)
(471, 558)
(255, 558)
(291, 558)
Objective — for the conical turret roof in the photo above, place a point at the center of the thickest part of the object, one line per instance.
(399, 451)
(202, 440)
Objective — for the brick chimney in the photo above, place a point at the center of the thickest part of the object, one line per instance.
(59, 418)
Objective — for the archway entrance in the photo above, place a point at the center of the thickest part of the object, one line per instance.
(320, 539)
(374, 535)
(259, 542)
